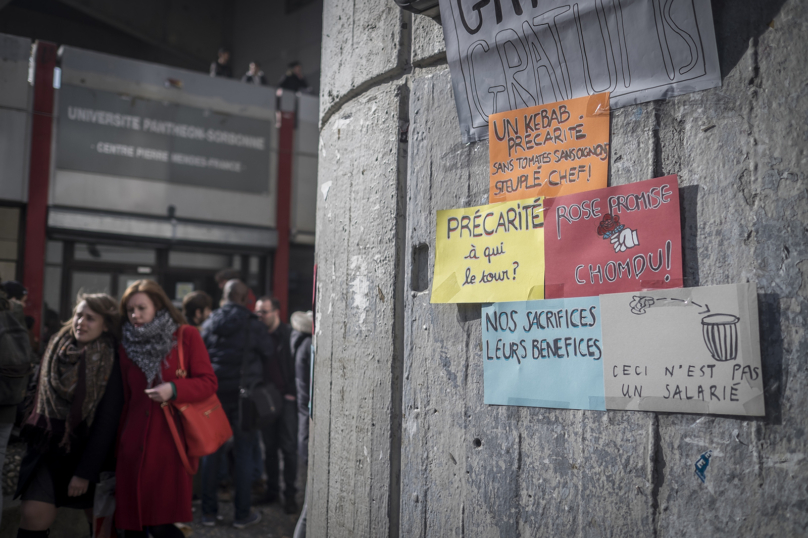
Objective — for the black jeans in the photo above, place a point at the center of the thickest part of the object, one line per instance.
(282, 435)
(209, 467)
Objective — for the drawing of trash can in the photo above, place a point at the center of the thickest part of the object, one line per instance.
(720, 333)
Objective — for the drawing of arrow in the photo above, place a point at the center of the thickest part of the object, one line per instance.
(640, 303)
(694, 303)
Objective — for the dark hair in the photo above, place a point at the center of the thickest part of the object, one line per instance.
(157, 296)
(223, 50)
(227, 274)
(276, 304)
(196, 300)
(293, 64)
(15, 290)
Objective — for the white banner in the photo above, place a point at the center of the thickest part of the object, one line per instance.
(509, 54)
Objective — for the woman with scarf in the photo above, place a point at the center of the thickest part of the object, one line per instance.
(72, 428)
(153, 489)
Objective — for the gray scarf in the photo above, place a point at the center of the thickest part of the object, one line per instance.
(149, 345)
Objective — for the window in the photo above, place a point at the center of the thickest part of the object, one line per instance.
(9, 242)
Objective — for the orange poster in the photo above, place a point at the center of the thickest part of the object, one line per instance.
(549, 150)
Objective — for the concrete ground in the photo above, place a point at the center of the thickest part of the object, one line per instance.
(72, 523)
(274, 523)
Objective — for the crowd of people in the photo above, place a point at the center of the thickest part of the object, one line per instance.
(292, 80)
(96, 409)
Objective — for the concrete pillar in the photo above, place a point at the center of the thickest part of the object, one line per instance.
(402, 443)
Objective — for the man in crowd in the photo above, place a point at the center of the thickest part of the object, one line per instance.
(242, 354)
(300, 341)
(16, 292)
(254, 75)
(293, 79)
(225, 275)
(221, 67)
(12, 324)
(283, 434)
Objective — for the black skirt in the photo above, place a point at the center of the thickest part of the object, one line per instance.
(45, 477)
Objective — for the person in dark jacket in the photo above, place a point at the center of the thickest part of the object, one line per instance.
(72, 429)
(300, 343)
(226, 275)
(283, 433)
(12, 318)
(254, 75)
(242, 354)
(293, 79)
(221, 67)
(16, 291)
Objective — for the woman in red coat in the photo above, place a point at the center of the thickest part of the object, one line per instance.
(153, 488)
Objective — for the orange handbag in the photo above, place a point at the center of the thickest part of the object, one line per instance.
(205, 424)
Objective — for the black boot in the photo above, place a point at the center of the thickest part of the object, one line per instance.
(22, 533)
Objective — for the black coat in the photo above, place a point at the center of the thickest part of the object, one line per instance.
(301, 349)
(281, 338)
(293, 83)
(219, 70)
(92, 449)
(229, 333)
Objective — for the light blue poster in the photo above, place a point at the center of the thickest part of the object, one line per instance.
(544, 353)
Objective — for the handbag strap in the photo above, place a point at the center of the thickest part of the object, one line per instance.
(166, 406)
(177, 441)
(181, 371)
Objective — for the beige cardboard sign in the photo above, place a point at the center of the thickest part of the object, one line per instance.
(687, 350)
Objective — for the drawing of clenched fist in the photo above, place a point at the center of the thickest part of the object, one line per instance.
(625, 239)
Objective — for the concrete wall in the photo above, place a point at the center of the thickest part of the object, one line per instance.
(402, 443)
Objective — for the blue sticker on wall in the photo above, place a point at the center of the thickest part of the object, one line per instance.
(702, 463)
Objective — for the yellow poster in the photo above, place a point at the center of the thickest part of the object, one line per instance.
(490, 253)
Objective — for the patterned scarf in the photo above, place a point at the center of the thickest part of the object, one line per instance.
(148, 346)
(71, 383)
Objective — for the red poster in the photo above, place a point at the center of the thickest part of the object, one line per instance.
(613, 240)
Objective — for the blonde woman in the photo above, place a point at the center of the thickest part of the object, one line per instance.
(153, 489)
(72, 428)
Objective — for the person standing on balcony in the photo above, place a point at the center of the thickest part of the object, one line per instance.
(294, 80)
(254, 75)
(221, 67)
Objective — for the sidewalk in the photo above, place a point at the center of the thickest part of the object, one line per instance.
(274, 523)
(71, 523)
